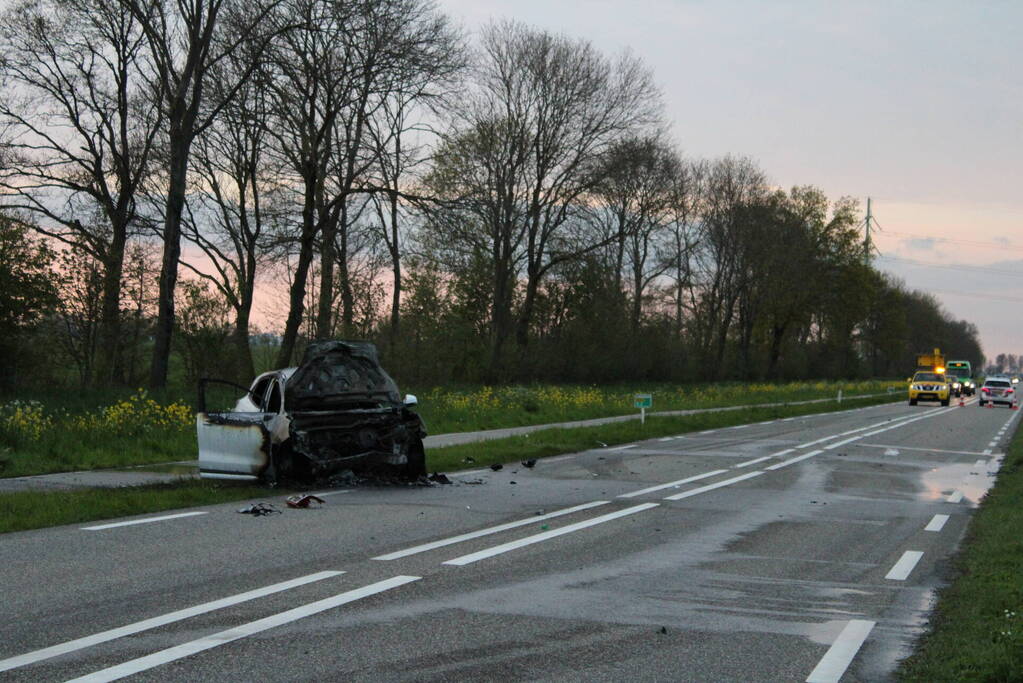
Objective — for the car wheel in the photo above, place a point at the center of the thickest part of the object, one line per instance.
(912, 401)
(980, 403)
(415, 466)
(945, 402)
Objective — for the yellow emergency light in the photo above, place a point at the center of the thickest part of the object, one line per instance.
(939, 369)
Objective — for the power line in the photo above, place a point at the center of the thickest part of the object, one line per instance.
(949, 240)
(978, 295)
(950, 266)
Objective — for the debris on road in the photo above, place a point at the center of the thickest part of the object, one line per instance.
(513, 482)
(439, 478)
(529, 463)
(260, 510)
(300, 501)
(497, 466)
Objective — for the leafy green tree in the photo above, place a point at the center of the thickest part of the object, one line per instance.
(28, 293)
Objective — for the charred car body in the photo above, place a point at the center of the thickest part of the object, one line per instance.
(338, 410)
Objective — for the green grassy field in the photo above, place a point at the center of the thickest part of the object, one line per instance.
(977, 629)
(72, 431)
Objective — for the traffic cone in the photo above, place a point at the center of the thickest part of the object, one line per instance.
(962, 404)
(990, 404)
(1014, 406)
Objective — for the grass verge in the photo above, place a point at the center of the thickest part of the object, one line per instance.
(61, 434)
(25, 510)
(548, 442)
(977, 628)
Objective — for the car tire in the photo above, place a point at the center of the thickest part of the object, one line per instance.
(946, 402)
(980, 403)
(912, 401)
(415, 465)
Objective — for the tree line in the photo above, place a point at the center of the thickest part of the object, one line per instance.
(504, 207)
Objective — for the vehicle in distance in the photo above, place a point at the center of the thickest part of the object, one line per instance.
(929, 386)
(997, 390)
(962, 372)
(338, 410)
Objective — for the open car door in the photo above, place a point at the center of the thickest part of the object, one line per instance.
(233, 445)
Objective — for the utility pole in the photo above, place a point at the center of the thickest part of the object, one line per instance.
(866, 239)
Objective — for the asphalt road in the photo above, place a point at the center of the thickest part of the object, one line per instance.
(802, 549)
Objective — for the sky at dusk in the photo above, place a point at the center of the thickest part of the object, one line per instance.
(918, 105)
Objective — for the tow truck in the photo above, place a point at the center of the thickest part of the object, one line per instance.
(929, 383)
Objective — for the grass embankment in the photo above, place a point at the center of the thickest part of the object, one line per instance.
(549, 442)
(69, 432)
(25, 510)
(37, 439)
(977, 629)
(32, 509)
(448, 410)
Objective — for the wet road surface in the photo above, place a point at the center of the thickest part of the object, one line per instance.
(799, 549)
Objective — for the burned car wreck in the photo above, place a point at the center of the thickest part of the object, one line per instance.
(338, 410)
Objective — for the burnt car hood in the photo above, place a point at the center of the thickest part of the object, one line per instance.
(334, 375)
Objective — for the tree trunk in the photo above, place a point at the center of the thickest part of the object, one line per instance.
(500, 319)
(111, 370)
(347, 294)
(396, 270)
(296, 297)
(325, 306)
(179, 148)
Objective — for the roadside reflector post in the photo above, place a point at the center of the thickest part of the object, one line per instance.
(643, 401)
(839, 395)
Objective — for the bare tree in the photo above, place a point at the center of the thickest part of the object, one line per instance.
(686, 231)
(81, 133)
(732, 186)
(340, 67)
(518, 160)
(634, 196)
(420, 90)
(186, 40)
(231, 209)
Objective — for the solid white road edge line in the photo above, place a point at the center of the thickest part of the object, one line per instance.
(622, 448)
(188, 649)
(147, 520)
(537, 538)
(163, 619)
(987, 451)
(659, 487)
(711, 487)
(937, 523)
(486, 532)
(786, 463)
(955, 497)
(905, 565)
(838, 657)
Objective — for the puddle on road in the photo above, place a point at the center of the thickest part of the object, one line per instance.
(973, 481)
